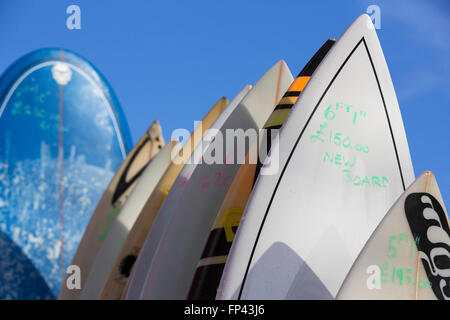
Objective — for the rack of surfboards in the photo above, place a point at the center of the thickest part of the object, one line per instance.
(321, 204)
(332, 210)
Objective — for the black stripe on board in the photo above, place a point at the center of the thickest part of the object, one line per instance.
(217, 244)
(123, 184)
(387, 115)
(206, 281)
(312, 64)
(283, 106)
(292, 94)
(278, 126)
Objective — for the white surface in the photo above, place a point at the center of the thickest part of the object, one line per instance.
(124, 222)
(311, 223)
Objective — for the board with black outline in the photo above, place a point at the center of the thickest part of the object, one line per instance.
(344, 160)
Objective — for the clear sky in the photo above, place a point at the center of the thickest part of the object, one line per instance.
(171, 60)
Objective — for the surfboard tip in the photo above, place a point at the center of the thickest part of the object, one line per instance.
(155, 132)
(154, 128)
(428, 173)
(429, 179)
(281, 62)
(364, 19)
(223, 100)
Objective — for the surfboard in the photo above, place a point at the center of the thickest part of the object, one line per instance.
(407, 256)
(343, 161)
(124, 222)
(112, 202)
(210, 267)
(148, 213)
(191, 217)
(54, 172)
(120, 272)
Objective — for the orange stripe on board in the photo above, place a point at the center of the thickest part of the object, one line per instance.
(299, 83)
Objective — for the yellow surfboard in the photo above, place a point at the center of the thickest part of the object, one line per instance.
(212, 261)
(112, 201)
(122, 267)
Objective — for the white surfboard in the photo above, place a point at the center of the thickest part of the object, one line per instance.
(111, 203)
(408, 255)
(124, 222)
(344, 160)
(192, 216)
(141, 265)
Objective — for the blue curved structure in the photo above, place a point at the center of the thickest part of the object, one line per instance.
(62, 137)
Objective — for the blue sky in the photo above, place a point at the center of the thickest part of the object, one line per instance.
(171, 60)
